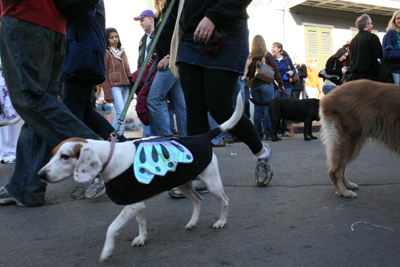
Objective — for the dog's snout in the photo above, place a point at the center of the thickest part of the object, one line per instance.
(42, 174)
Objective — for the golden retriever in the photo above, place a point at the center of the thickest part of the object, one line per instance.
(353, 114)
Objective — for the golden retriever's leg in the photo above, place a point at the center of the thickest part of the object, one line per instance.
(341, 149)
(336, 176)
(347, 184)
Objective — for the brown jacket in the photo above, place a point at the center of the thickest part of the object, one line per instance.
(269, 60)
(117, 73)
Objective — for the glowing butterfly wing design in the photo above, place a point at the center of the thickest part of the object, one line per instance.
(158, 158)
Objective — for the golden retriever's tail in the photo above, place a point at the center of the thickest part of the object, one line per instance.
(329, 135)
(233, 120)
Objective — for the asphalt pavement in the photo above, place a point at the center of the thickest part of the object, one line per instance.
(296, 221)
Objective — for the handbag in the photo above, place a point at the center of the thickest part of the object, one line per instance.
(176, 42)
(74, 10)
(215, 42)
(264, 72)
(295, 79)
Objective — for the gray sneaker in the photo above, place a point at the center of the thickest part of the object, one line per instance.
(198, 185)
(7, 198)
(264, 171)
(96, 189)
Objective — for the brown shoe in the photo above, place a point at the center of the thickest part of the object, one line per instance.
(220, 144)
(229, 140)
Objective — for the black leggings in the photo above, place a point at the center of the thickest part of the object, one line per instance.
(212, 90)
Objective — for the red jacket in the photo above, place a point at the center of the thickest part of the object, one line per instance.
(142, 91)
(41, 12)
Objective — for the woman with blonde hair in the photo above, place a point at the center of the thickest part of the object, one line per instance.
(261, 90)
(312, 86)
(390, 67)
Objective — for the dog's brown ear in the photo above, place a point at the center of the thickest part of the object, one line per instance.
(88, 165)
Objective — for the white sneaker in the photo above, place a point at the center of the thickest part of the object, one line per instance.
(96, 189)
(264, 171)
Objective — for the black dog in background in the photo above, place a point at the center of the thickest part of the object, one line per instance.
(305, 110)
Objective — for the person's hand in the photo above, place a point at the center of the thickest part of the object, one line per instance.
(290, 73)
(163, 63)
(344, 70)
(151, 60)
(204, 30)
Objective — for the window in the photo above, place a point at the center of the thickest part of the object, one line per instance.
(318, 44)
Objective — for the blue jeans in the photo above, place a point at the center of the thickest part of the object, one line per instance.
(327, 88)
(263, 92)
(32, 58)
(104, 106)
(277, 94)
(171, 119)
(165, 83)
(120, 95)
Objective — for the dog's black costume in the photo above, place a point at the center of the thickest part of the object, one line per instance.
(125, 189)
(305, 110)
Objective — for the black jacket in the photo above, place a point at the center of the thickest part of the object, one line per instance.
(334, 67)
(365, 49)
(302, 72)
(143, 46)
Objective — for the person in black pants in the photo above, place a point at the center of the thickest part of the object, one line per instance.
(209, 80)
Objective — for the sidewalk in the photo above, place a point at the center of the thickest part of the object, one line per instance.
(296, 221)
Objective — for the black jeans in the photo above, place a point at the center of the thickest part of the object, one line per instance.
(77, 96)
(212, 90)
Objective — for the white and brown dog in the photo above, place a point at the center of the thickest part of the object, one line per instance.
(84, 159)
(353, 114)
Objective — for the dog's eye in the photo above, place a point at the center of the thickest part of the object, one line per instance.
(65, 157)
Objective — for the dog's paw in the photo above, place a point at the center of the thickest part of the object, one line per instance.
(347, 193)
(218, 225)
(138, 241)
(190, 226)
(106, 254)
(351, 186)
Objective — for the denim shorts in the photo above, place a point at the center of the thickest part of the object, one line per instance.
(231, 56)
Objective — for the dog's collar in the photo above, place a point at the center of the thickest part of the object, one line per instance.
(112, 144)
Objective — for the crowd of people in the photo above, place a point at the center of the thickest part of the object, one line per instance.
(195, 86)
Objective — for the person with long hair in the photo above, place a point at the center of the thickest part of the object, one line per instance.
(335, 70)
(286, 70)
(117, 73)
(209, 74)
(391, 50)
(261, 90)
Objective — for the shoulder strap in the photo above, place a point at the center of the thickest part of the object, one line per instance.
(288, 65)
